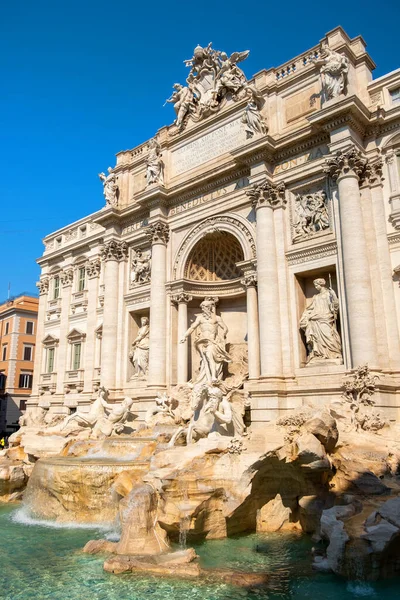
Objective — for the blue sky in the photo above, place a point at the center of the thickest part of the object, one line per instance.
(83, 80)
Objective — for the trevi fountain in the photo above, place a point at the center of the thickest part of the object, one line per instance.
(215, 403)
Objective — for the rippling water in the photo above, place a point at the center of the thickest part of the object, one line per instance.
(40, 562)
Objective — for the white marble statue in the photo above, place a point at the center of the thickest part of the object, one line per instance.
(110, 187)
(114, 421)
(89, 419)
(212, 413)
(318, 322)
(334, 69)
(161, 411)
(311, 214)
(252, 119)
(209, 343)
(139, 354)
(154, 164)
(184, 102)
(141, 267)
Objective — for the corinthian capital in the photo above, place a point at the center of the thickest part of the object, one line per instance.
(268, 194)
(158, 233)
(249, 280)
(346, 162)
(93, 268)
(43, 286)
(181, 298)
(67, 277)
(114, 250)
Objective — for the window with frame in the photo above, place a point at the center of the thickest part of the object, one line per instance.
(25, 381)
(76, 356)
(50, 360)
(7, 328)
(4, 352)
(3, 378)
(28, 352)
(29, 327)
(395, 96)
(56, 287)
(81, 279)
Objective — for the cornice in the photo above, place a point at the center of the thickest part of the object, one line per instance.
(350, 110)
(310, 253)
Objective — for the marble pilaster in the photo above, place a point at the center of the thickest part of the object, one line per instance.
(253, 338)
(267, 197)
(93, 268)
(158, 233)
(43, 286)
(347, 167)
(112, 253)
(181, 300)
(61, 363)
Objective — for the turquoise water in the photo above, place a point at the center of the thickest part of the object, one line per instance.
(40, 562)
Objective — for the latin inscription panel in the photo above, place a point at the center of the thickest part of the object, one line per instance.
(209, 146)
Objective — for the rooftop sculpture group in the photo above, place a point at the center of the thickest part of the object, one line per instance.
(213, 77)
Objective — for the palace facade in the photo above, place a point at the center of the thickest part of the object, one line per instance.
(277, 199)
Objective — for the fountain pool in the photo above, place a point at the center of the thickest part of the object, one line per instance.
(39, 562)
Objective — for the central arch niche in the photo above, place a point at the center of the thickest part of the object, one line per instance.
(214, 258)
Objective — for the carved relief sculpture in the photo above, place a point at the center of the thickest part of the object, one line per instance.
(110, 187)
(213, 77)
(334, 69)
(210, 343)
(141, 267)
(139, 354)
(318, 322)
(311, 215)
(154, 164)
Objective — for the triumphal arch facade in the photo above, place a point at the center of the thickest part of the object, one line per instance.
(255, 241)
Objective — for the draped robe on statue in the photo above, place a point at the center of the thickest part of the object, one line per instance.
(319, 324)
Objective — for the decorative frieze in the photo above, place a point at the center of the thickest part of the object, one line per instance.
(309, 254)
(93, 268)
(114, 250)
(268, 194)
(158, 233)
(346, 162)
(43, 286)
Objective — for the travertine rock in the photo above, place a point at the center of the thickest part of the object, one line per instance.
(323, 426)
(274, 516)
(12, 480)
(99, 546)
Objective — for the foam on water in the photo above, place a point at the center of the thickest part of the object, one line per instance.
(361, 589)
(23, 516)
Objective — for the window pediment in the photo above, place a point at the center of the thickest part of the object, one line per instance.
(75, 335)
(50, 340)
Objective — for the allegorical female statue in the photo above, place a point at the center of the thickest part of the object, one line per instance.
(154, 164)
(334, 69)
(319, 324)
(210, 344)
(139, 354)
(110, 187)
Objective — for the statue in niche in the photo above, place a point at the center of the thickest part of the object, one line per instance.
(209, 343)
(139, 354)
(110, 187)
(141, 267)
(311, 214)
(184, 102)
(212, 413)
(318, 322)
(154, 164)
(334, 69)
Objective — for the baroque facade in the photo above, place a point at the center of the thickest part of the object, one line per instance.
(271, 208)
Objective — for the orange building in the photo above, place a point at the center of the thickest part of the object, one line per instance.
(18, 325)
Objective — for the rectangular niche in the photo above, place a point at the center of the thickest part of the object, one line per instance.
(305, 292)
(134, 326)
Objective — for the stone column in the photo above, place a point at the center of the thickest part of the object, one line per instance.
(253, 338)
(61, 366)
(384, 263)
(43, 286)
(347, 167)
(181, 300)
(158, 234)
(112, 252)
(93, 268)
(266, 198)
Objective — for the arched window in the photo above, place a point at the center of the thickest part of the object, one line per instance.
(214, 258)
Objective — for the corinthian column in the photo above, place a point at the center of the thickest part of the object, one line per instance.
(112, 253)
(266, 198)
(43, 286)
(158, 234)
(181, 300)
(66, 279)
(347, 167)
(253, 338)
